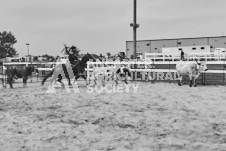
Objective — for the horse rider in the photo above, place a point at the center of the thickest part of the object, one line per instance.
(72, 58)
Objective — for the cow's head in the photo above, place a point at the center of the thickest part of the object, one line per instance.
(121, 69)
(34, 70)
(201, 66)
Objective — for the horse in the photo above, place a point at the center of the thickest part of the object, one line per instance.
(78, 70)
(15, 72)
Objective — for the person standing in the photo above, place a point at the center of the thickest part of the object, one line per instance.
(182, 55)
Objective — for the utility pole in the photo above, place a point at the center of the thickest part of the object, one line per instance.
(27, 48)
(135, 26)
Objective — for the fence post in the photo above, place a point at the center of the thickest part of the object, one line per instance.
(205, 78)
(87, 70)
(224, 67)
(4, 78)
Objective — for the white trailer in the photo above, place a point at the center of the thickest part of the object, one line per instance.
(188, 49)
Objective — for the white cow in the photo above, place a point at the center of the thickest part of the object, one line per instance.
(104, 73)
(191, 69)
(110, 73)
(123, 72)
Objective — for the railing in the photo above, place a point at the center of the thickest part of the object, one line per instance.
(161, 57)
(146, 68)
(189, 57)
(43, 67)
(33, 63)
(50, 65)
(207, 56)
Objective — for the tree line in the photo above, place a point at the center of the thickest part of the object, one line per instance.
(8, 40)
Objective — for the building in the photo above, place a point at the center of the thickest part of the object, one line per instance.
(157, 45)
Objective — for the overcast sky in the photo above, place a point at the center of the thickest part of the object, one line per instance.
(101, 26)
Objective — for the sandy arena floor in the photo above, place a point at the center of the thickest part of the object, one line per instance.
(159, 117)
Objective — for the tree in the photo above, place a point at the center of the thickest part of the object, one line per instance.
(48, 57)
(51, 59)
(7, 40)
(109, 54)
(35, 58)
(74, 49)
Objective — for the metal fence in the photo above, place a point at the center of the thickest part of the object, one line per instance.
(189, 56)
(145, 66)
(43, 69)
(213, 76)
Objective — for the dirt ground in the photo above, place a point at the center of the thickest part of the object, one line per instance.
(158, 117)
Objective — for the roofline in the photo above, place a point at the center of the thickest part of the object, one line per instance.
(179, 38)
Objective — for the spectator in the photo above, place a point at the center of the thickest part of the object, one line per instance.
(182, 55)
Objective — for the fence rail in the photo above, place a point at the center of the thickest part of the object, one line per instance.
(50, 65)
(189, 56)
(88, 69)
(208, 77)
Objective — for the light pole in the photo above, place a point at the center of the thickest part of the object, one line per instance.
(135, 26)
(27, 48)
